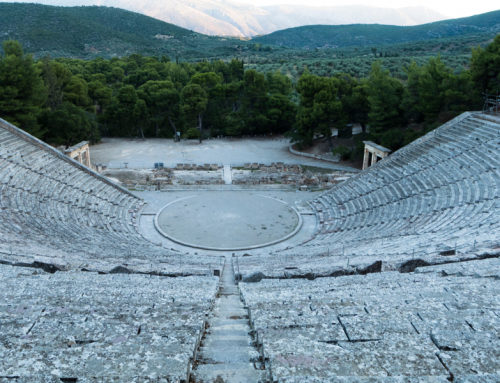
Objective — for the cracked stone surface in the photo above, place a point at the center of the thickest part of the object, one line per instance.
(83, 325)
(412, 325)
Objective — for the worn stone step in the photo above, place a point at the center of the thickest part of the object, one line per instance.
(229, 291)
(226, 366)
(228, 314)
(228, 354)
(231, 321)
(205, 375)
(230, 333)
(230, 306)
(227, 341)
(216, 326)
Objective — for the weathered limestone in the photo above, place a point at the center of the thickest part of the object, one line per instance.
(433, 202)
(84, 325)
(228, 352)
(56, 214)
(80, 152)
(373, 154)
(413, 327)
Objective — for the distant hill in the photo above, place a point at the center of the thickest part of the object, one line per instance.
(290, 16)
(89, 31)
(327, 36)
(230, 18)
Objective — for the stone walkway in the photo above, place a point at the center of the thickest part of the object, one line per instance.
(227, 353)
(228, 179)
(138, 154)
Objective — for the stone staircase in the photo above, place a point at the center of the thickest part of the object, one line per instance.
(227, 352)
(228, 179)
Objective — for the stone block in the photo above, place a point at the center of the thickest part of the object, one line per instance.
(253, 278)
(206, 166)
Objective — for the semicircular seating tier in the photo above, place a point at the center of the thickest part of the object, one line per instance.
(434, 201)
(57, 214)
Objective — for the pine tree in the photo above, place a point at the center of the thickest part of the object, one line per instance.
(22, 90)
(319, 109)
(384, 97)
(485, 67)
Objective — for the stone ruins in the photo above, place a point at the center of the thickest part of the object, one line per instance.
(373, 154)
(213, 174)
(398, 282)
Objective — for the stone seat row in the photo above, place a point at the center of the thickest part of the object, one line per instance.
(414, 325)
(53, 212)
(443, 188)
(359, 258)
(71, 325)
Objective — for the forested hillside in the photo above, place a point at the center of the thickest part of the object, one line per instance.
(332, 36)
(88, 32)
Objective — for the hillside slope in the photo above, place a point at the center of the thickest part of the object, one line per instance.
(87, 31)
(290, 16)
(323, 36)
(230, 18)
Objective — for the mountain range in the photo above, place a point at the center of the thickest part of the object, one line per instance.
(229, 18)
(337, 36)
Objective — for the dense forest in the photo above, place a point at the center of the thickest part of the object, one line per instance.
(64, 101)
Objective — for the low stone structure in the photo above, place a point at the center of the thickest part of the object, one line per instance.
(373, 154)
(249, 174)
(80, 152)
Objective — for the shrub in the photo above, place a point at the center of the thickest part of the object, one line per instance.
(344, 152)
(192, 133)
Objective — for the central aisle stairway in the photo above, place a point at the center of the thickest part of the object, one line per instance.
(227, 353)
(228, 178)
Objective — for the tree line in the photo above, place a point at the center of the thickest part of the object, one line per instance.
(64, 101)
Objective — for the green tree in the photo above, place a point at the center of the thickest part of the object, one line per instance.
(68, 124)
(194, 103)
(77, 92)
(410, 103)
(279, 84)
(56, 77)
(140, 114)
(122, 111)
(100, 94)
(355, 103)
(254, 101)
(384, 96)
(319, 109)
(163, 101)
(211, 84)
(281, 113)
(22, 90)
(485, 67)
(430, 85)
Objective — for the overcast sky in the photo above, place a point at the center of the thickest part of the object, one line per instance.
(450, 8)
